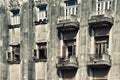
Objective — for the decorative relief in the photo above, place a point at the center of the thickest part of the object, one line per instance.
(14, 5)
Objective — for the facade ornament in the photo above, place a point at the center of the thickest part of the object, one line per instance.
(40, 2)
(14, 5)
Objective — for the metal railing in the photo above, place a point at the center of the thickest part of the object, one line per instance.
(72, 18)
(103, 57)
(106, 13)
(66, 60)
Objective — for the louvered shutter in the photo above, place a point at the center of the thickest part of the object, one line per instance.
(63, 51)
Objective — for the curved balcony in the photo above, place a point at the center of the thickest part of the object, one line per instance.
(101, 19)
(67, 24)
(99, 62)
(67, 63)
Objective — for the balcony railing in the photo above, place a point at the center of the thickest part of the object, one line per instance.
(67, 63)
(99, 61)
(68, 24)
(104, 18)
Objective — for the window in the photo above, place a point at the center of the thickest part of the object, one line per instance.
(40, 54)
(102, 6)
(14, 55)
(15, 18)
(69, 48)
(71, 8)
(101, 46)
(42, 14)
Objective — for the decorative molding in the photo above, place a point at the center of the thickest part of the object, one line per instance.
(14, 5)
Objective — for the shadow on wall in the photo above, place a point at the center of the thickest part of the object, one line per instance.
(67, 74)
(98, 73)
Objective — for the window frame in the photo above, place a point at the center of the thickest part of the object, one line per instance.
(70, 9)
(37, 54)
(13, 57)
(103, 42)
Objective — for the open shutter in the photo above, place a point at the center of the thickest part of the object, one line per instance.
(45, 54)
(36, 54)
(63, 51)
(74, 50)
(9, 56)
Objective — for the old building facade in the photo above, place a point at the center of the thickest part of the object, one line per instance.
(59, 40)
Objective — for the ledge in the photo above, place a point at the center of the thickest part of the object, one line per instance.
(94, 62)
(67, 63)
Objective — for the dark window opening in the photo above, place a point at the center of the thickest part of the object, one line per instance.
(15, 14)
(9, 56)
(69, 51)
(42, 54)
(42, 8)
(16, 52)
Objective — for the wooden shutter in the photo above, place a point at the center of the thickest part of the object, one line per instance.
(62, 11)
(63, 51)
(45, 53)
(9, 56)
(74, 49)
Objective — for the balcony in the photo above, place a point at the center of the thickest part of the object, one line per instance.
(14, 22)
(40, 2)
(101, 19)
(67, 24)
(67, 63)
(41, 21)
(99, 62)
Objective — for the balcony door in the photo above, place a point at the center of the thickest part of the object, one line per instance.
(71, 8)
(69, 48)
(101, 46)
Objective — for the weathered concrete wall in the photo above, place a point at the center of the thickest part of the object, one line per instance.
(14, 36)
(3, 43)
(14, 72)
(30, 34)
(41, 33)
(40, 71)
(115, 45)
